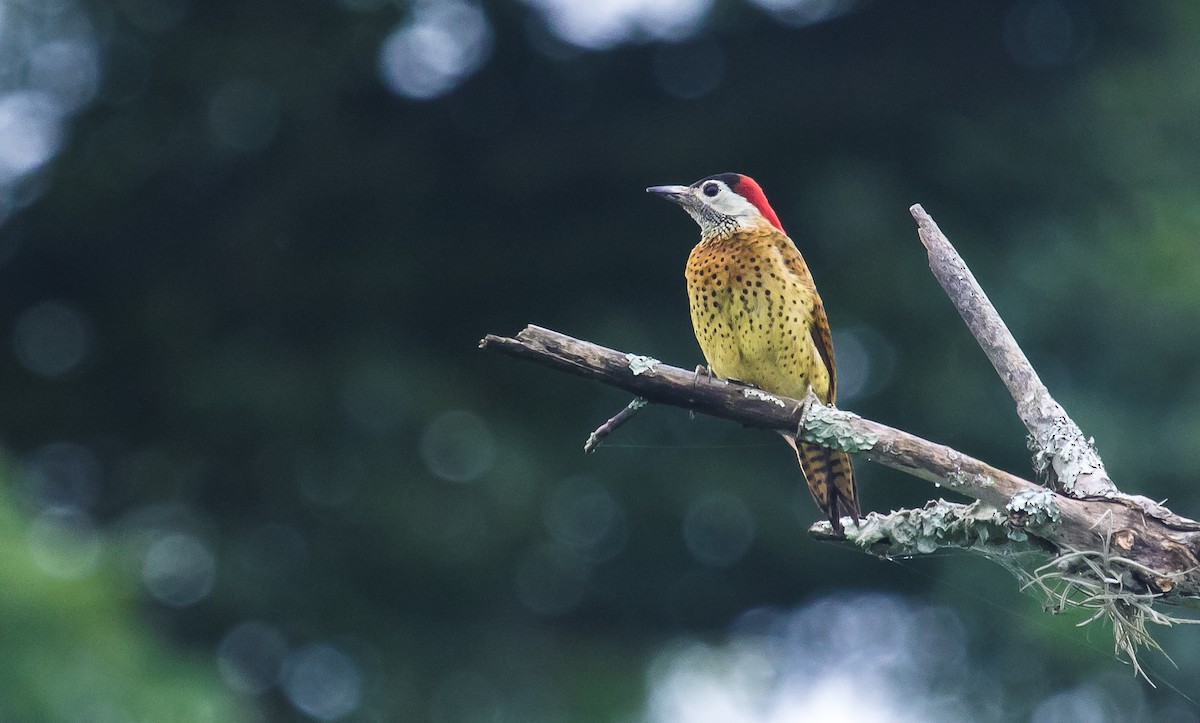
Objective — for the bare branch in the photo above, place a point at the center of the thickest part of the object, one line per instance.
(1056, 438)
(1060, 447)
(665, 384)
(1061, 523)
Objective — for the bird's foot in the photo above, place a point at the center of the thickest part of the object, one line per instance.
(706, 371)
(805, 405)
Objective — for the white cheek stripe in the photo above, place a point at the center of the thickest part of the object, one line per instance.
(731, 204)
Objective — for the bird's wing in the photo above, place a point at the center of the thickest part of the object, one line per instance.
(819, 331)
(820, 327)
(823, 340)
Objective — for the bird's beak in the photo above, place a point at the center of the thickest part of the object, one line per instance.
(678, 194)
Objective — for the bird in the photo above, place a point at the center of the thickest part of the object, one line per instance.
(759, 319)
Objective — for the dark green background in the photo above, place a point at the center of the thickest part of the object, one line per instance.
(276, 335)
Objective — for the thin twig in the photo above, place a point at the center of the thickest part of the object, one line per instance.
(611, 425)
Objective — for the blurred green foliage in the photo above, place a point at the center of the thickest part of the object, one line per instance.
(276, 271)
(79, 647)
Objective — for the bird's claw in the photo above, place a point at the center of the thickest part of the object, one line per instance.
(707, 371)
(702, 370)
(805, 405)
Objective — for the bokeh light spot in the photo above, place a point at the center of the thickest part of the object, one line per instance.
(458, 446)
(438, 48)
(61, 475)
(865, 362)
(799, 13)
(718, 529)
(65, 543)
(250, 657)
(603, 24)
(581, 514)
(179, 570)
(50, 68)
(1108, 698)
(30, 132)
(323, 682)
(52, 338)
(68, 70)
(847, 659)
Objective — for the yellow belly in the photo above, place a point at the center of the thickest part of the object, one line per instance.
(753, 317)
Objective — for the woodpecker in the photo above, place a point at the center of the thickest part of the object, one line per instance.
(758, 317)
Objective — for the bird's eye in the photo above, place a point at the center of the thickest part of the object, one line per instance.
(711, 189)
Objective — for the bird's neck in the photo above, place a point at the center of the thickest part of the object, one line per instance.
(736, 235)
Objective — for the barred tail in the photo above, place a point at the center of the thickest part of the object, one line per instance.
(830, 478)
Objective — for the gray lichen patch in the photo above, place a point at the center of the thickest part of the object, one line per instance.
(1033, 508)
(959, 478)
(639, 364)
(1077, 467)
(829, 427)
(936, 525)
(764, 396)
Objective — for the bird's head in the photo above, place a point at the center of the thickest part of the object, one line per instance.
(722, 204)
